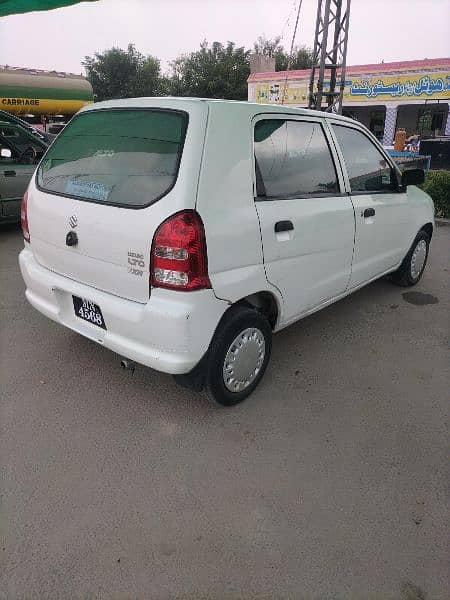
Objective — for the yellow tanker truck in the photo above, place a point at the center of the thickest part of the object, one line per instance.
(36, 92)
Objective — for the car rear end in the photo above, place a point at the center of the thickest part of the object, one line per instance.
(114, 248)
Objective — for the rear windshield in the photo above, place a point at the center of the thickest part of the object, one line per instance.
(127, 157)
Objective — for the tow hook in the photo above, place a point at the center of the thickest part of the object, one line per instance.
(127, 364)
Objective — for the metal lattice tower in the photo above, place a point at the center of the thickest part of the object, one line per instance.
(330, 55)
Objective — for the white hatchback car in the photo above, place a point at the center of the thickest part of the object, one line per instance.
(181, 233)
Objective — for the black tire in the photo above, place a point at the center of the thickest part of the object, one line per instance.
(404, 275)
(235, 321)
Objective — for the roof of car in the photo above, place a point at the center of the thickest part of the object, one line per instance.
(184, 102)
(14, 125)
(11, 125)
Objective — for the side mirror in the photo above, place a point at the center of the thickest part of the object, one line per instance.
(413, 177)
(5, 153)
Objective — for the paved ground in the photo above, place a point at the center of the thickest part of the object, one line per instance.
(329, 482)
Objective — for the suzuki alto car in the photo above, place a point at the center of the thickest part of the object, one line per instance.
(182, 233)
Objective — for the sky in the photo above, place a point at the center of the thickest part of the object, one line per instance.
(388, 30)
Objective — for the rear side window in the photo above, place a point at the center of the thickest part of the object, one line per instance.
(127, 157)
(367, 168)
(293, 160)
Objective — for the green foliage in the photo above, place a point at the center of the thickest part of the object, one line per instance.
(437, 185)
(117, 73)
(216, 71)
(302, 56)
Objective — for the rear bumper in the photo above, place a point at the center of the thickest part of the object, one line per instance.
(170, 333)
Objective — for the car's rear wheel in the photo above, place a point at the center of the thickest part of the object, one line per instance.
(413, 265)
(238, 355)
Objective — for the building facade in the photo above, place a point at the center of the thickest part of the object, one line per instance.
(414, 95)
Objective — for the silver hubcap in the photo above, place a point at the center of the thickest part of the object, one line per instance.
(418, 259)
(244, 359)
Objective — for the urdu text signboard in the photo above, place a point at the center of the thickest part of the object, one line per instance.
(365, 88)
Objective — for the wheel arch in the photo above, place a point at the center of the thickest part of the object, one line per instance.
(428, 228)
(264, 302)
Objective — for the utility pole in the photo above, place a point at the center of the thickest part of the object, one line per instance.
(329, 55)
(291, 52)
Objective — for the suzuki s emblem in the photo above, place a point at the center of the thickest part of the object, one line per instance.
(73, 221)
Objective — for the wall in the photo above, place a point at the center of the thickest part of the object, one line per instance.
(387, 85)
(400, 83)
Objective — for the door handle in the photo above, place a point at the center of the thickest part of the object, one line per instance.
(9, 173)
(369, 212)
(283, 226)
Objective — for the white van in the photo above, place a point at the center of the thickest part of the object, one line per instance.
(181, 233)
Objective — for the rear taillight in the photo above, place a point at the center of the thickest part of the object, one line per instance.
(24, 217)
(179, 259)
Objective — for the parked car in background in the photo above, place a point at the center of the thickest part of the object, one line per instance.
(55, 128)
(181, 233)
(39, 133)
(20, 151)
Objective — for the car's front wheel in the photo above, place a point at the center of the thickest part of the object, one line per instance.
(238, 355)
(413, 265)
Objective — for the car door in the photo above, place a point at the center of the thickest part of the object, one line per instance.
(381, 208)
(15, 174)
(306, 218)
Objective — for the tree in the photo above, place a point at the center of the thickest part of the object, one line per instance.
(216, 71)
(117, 73)
(266, 46)
(302, 56)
